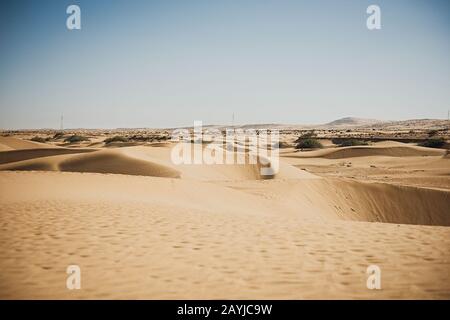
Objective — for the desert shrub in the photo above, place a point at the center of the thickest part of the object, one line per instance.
(432, 132)
(433, 143)
(348, 142)
(308, 143)
(162, 138)
(141, 138)
(38, 139)
(307, 135)
(116, 139)
(149, 138)
(58, 135)
(75, 138)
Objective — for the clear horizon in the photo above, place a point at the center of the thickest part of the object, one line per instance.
(211, 124)
(163, 64)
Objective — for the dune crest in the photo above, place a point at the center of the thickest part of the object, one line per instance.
(103, 161)
(366, 151)
(117, 163)
(11, 156)
(11, 143)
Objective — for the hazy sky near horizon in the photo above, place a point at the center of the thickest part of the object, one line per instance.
(168, 63)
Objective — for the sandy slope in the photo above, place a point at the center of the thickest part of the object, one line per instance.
(14, 156)
(391, 149)
(96, 161)
(172, 238)
(156, 230)
(352, 200)
(11, 143)
(428, 168)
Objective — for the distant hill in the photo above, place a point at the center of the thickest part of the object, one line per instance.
(352, 122)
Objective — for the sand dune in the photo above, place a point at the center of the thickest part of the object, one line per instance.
(419, 171)
(25, 154)
(141, 227)
(11, 143)
(336, 198)
(352, 200)
(115, 162)
(103, 161)
(246, 171)
(397, 150)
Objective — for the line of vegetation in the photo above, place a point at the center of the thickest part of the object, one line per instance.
(39, 139)
(149, 138)
(76, 138)
(433, 143)
(308, 141)
(343, 142)
(115, 139)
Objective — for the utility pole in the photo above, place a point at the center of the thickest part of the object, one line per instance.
(62, 123)
(448, 121)
(232, 120)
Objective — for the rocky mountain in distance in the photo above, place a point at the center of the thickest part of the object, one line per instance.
(352, 122)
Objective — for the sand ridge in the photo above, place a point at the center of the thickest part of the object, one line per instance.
(11, 143)
(391, 150)
(137, 160)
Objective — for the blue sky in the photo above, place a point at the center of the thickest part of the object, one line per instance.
(168, 63)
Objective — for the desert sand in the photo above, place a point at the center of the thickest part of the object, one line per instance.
(141, 227)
